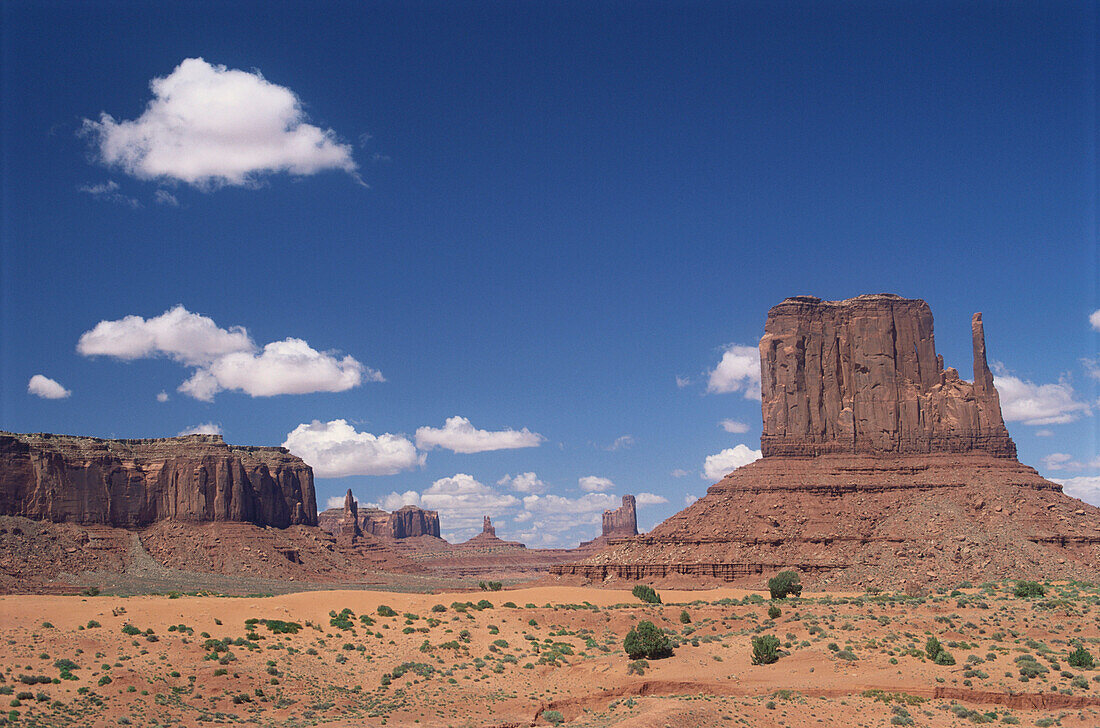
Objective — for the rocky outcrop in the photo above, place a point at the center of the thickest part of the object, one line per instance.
(348, 531)
(488, 537)
(623, 521)
(406, 522)
(134, 483)
(881, 467)
(863, 376)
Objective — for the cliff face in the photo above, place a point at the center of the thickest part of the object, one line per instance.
(863, 376)
(623, 521)
(133, 483)
(406, 522)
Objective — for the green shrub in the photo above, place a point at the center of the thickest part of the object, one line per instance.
(685, 618)
(784, 584)
(774, 612)
(647, 640)
(1081, 658)
(637, 667)
(439, 608)
(646, 593)
(765, 649)
(130, 629)
(1029, 589)
(384, 611)
(553, 717)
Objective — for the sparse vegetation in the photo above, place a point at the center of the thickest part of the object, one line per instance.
(784, 584)
(765, 649)
(647, 640)
(646, 593)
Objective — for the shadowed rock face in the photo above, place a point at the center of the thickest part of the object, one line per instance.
(133, 483)
(621, 522)
(863, 376)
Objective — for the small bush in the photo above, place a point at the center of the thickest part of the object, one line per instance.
(1081, 658)
(647, 640)
(553, 717)
(130, 629)
(1029, 589)
(784, 584)
(685, 618)
(637, 667)
(774, 612)
(765, 649)
(646, 593)
(384, 611)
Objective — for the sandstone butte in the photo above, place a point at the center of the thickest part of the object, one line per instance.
(405, 522)
(134, 483)
(880, 467)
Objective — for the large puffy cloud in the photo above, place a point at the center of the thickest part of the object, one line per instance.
(209, 126)
(459, 435)
(715, 467)
(46, 388)
(594, 484)
(462, 501)
(1037, 404)
(225, 359)
(334, 450)
(523, 483)
(739, 370)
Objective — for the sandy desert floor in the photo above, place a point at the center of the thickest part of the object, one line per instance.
(534, 656)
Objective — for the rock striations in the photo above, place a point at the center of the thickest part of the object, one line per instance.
(134, 483)
(406, 522)
(880, 466)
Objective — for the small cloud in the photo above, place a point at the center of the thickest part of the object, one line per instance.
(523, 483)
(46, 388)
(335, 450)
(738, 371)
(109, 192)
(210, 126)
(1037, 404)
(336, 501)
(164, 197)
(1065, 461)
(207, 428)
(1092, 368)
(459, 435)
(594, 484)
(650, 499)
(1094, 319)
(682, 382)
(621, 443)
(680, 473)
(715, 467)
(689, 499)
(733, 426)
(162, 397)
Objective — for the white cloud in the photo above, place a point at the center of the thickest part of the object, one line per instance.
(210, 126)
(523, 483)
(739, 370)
(394, 501)
(1086, 487)
(335, 450)
(680, 473)
(715, 467)
(1043, 433)
(1092, 367)
(459, 435)
(733, 426)
(621, 443)
(46, 388)
(1094, 319)
(225, 359)
(164, 197)
(682, 382)
(464, 501)
(189, 338)
(1065, 461)
(206, 428)
(650, 499)
(109, 192)
(594, 483)
(1037, 404)
(336, 501)
(689, 499)
(162, 397)
(557, 505)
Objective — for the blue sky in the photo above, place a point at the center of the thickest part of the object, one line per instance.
(551, 217)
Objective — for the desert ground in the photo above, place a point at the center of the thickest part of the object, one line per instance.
(549, 654)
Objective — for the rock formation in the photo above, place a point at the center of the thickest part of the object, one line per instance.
(623, 521)
(863, 376)
(488, 537)
(406, 522)
(880, 466)
(348, 532)
(134, 483)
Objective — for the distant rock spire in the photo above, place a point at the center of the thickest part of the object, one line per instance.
(487, 527)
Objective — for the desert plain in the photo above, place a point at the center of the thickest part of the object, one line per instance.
(547, 655)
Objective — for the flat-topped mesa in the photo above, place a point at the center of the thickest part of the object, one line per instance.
(134, 483)
(406, 522)
(863, 376)
(621, 522)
